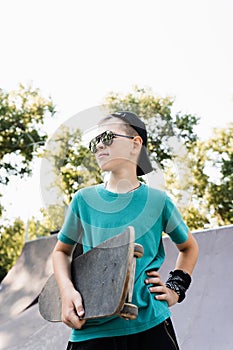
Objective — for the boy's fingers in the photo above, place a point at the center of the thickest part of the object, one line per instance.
(73, 321)
(80, 311)
(77, 323)
(153, 280)
(161, 297)
(79, 306)
(152, 273)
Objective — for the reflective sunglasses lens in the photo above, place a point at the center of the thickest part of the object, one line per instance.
(93, 143)
(107, 138)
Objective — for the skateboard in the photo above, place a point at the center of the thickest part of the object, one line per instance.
(104, 276)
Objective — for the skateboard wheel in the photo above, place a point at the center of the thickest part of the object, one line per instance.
(129, 311)
(138, 250)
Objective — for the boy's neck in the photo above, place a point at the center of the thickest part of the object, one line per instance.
(118, 184)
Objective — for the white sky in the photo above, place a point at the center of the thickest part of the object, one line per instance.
(78, 51)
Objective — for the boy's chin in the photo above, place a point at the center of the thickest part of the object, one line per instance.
(105, 166)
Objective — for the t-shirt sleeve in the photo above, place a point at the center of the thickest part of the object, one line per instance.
(173, 223)
(71, 230)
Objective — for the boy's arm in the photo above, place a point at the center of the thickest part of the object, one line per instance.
(186, 261)
(72, 307)
(188, 254)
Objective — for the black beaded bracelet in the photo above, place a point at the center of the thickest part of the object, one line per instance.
(179, 281)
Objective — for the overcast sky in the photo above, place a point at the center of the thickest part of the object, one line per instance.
(79, 51)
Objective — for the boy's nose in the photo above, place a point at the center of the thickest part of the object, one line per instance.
(100, 145)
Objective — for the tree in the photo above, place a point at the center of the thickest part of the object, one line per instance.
(212, 191)
(12, 241)
(51, 221)
(219, 154)
(73, 166)
(196, 213)
(22, 114)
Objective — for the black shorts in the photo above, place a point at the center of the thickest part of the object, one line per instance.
(161, 337)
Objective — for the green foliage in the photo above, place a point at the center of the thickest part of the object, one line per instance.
(1, 207)
(11, 244)
(73, 165)
(52, 220)
(212, 169)
(220, 188)
(36, 228)
(200, 178)
(22, 114)
(80, 172)
(12, 237)
(195, 218)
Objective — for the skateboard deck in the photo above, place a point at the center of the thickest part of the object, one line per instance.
(104, 276)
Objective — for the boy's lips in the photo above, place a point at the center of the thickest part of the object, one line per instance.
(101, 155)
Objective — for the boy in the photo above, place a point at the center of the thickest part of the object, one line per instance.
(102, 211)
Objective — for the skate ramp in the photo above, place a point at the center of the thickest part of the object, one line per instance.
(202, 321)
(29, 331)
(23, 283)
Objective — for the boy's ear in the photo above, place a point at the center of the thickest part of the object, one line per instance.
(137, 143)
(137, 139)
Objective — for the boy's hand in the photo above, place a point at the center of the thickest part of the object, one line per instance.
(159, 287)
(72, 308)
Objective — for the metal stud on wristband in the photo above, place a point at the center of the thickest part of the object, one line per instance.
(179, 281)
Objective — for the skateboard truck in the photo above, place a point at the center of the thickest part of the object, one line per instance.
(129, 311)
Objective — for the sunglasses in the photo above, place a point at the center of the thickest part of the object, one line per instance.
(106, 138)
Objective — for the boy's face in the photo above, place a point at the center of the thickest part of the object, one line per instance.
(120, 154)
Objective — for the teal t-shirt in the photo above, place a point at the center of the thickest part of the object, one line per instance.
(96, 214)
